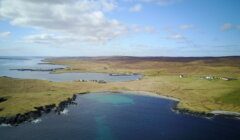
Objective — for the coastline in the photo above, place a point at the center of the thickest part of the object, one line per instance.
(183, 110)
(39, 111)
(222, 112)
(146, 93)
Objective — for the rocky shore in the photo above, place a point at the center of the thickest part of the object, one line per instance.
(215, 113)
(220, 112)
(192, 113)
(212, 114)
(32, 115)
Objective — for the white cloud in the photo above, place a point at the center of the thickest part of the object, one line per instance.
(186, 26)
(136, 8)
(5, 34)
(48, 38)
(82, 20)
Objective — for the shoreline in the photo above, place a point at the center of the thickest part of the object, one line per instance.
(222, 112)
(145, 93)
(39, 111)
(182, 110)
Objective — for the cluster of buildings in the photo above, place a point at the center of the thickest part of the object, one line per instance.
(212, 78)
(96, 81)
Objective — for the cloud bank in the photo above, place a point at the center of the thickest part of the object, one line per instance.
(60, 20)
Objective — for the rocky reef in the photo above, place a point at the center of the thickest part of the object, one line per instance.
(224, 114)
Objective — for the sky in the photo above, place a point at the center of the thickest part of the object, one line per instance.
(119, 27)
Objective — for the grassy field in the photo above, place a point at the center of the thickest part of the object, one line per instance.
(23, 95)
(161, 77)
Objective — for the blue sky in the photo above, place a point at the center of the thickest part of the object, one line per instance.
(126, 27)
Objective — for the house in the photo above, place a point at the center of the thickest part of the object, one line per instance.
(209, 77)
(227, 78)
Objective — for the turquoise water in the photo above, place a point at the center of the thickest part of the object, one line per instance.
(7, 63)
(114, 116)
(113, 99)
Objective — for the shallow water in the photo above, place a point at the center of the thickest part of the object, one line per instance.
(8, 63)
(113, 116)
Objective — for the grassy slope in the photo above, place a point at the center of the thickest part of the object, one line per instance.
(195, 94)
(161, 76)
(23, 95)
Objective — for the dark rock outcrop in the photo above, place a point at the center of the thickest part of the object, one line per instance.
(45, 109)
(2, 99)
(188, 112)
(64, 104)
(29, 116)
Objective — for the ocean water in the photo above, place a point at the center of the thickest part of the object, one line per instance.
(7, 63)
(115, 116)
